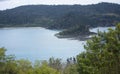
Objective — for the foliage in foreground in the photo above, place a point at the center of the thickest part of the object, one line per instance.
(102, 54)
(8, 65)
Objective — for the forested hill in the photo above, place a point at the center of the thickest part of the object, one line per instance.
(61, 16)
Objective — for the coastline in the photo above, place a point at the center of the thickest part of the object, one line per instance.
(80, 37)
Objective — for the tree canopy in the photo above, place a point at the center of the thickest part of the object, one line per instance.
(102, 55)
(61, 16)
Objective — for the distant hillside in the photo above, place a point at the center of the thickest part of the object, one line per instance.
(61, 16)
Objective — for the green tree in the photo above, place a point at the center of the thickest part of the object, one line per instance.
(102, 55)
(55, 63)
(70, 69)
(44, 68)
(24, 67)
(10, 66)
(2, 59)
(7, 63)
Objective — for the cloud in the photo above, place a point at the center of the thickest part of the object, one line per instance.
(3, 0)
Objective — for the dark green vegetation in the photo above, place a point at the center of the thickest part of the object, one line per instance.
(61, 16)
(102, 56)
(78, 32)
(75, 30)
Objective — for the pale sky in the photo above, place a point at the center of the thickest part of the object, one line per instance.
(7, 4)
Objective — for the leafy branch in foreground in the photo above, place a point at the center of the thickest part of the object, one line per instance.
(102, 54)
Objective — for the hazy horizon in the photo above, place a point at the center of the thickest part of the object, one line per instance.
(8, 4)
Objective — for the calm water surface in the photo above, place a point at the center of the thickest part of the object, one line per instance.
(39, 43)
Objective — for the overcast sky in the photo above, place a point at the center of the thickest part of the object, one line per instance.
(7, 4)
